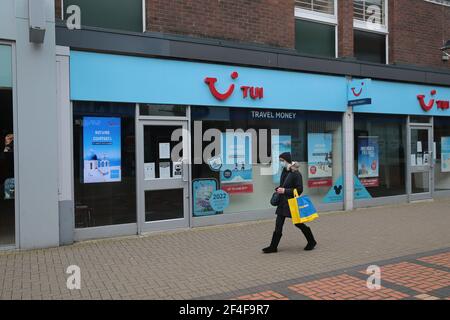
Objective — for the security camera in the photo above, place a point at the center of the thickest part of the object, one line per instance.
(446, 51)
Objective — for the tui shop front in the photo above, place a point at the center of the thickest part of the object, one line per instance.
(162, 144)
(402, 143)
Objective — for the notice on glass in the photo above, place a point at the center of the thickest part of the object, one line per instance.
(177, 171)
(413, 160)
(164, 170)
(149, 171)
(445, 154)
(420, 160)
(164, 150)
(419, 146)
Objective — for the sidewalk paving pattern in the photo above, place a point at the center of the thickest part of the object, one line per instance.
(410, 242)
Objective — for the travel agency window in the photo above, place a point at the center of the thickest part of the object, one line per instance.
(238, 158)
(370, 23)
(109, 14)
(380, 149)
(104, 163)
(442, 141)
(316, 27)
(7, 182)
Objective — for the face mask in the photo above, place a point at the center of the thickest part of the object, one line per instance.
(283, 164)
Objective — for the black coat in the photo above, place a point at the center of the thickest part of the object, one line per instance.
(289, 180)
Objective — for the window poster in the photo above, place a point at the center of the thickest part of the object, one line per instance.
(202, 192)
(9, 189)
(368, 163)
(102, 149)
(236, 158)
(320, 159)
(445, 154)
(280, 144)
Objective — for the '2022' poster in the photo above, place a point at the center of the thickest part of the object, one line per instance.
(102, 149)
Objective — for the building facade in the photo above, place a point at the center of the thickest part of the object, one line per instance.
(171, 114)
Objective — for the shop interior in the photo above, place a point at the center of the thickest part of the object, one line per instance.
(7, 185)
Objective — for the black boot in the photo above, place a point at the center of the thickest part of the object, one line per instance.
(276, 237)
(308, 235)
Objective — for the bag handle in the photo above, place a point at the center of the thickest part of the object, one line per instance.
(296, 193)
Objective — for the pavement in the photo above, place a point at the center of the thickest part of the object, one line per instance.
(409, 242)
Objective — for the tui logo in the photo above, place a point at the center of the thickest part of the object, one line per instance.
(253, 92)
(427, 106)
(356, 93)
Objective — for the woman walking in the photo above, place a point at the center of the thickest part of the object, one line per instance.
(290, 179)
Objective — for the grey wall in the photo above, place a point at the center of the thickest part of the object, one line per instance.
(36, 126)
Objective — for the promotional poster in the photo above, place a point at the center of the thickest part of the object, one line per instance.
(101, 149)
(320, 157)
(236, 158)
(368, 159)
(202, 191)
(280, 144)
(445, 154)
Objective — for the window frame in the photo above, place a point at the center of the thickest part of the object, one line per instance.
(438, 2)
(144, 14)
(381, 29)
(317, 16)
(323, 18)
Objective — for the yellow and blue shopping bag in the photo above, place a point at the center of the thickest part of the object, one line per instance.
(302, 209)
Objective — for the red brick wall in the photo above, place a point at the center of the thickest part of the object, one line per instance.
(58, 9)
(269, 22)
(417, 30)
(345, 28)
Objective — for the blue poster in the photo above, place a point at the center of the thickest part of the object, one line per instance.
(236, 158)
(102, 149)
(202, 191)
(368, 165)
(336, 193)
(320, 158)
(445, 154)
(280, 144)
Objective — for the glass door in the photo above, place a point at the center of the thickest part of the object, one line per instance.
(421, 163)
(163, 197)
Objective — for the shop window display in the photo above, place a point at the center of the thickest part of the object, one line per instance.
(7, 149)
(246, 164)
(7, 181)
(104, 164)
(442, 167)
(380, 147)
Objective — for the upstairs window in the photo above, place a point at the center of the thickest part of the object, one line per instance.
(442, 2)
(370, 23)
(109, 14)
(316, 27)
(327, 7)
(370, 14)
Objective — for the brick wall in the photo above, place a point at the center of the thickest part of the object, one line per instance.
(417, 30)
(269, 22)
(58, 9)
(345, 28)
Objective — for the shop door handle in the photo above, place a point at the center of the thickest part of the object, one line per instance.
(185, 171)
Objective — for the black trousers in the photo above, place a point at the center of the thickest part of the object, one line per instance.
(279, 223)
